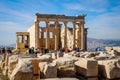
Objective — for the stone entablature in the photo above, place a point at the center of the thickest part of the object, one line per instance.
(54, 17)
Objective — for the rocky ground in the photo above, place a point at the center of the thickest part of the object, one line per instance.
(63, 66)
(2, 77)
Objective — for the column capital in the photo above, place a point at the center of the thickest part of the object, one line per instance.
(65, 22)
(46, 21)
(73, 22)
(82, 22)
(56, 22)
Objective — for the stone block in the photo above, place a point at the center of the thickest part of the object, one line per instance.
(86, 67)
(65, 66)
(45, 58)
(109, 68)
(23, 70)
(48, 70)
(13, 60)
(54, 55)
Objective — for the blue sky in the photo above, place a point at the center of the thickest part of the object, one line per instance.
(103, 16)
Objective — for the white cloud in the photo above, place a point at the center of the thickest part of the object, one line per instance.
(105, 26)
(16, 13)
(88, 5)
(11, 26)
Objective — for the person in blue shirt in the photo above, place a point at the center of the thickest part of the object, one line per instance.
(98, 49)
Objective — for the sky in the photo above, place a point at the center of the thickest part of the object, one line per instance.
(102, 20)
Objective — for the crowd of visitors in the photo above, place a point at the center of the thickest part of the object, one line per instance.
(5, 50)
(33, 50)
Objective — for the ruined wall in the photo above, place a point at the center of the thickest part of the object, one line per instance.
(31, 30)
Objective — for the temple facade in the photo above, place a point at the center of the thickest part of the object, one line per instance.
(53, 31)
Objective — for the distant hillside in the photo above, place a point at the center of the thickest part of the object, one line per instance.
(94, 43)
(10, 45)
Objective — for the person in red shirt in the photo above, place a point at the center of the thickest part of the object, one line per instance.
(66, 50)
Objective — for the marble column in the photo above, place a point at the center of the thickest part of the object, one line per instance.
(28, 41)
(74, 36)
(22, 39)
(82, 36)
(65, 37)
(56, 35)
(47, 34)
(42, 38)
(36, 34)
(85, 34)
(42, 34)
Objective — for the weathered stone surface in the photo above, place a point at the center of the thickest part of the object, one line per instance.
(65, 66)
(64, 61)
(23, 70)
(2, 59)
(88, 54)
(13, 60)
(45, 58)
(4, 66)
(5, 70)
(110, 68)
(35, 62)
(112, 48)
(114, 53)
(48, 70)
(54, 55)
(67, 55)
(86, 67)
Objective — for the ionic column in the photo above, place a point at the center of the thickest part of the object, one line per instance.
(36, 34)
(85, 35)
(82, 36)
(42, 34)
(47, 34)
(56, 35)
(65, 37)
(74, 36)
(22, 39)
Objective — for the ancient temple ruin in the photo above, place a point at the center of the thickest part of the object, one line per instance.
(55, 34)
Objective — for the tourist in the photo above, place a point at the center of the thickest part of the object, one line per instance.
(60, 50)
(32, 50)
(74, 48)
(77, 49)
(98, 49)
(38, 50)
(70, 49)
(66, 50)
(3, 50)
(35, 52)
(29, 51)
(9, 52)
(45, 51)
